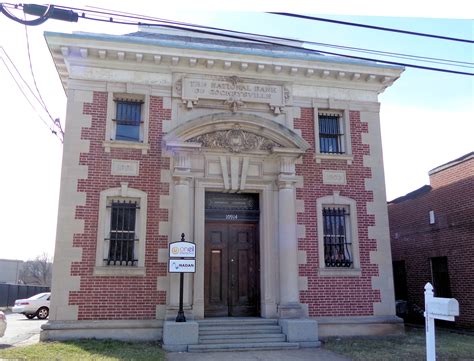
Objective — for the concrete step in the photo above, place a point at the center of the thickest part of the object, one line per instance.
(232, 330)
(237, 321)
(243, 346)
(244, 338)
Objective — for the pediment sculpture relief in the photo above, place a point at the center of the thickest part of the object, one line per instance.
(234, 140)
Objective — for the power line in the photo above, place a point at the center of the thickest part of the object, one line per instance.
(28, 99)
(373, 27)
(355, 49)
(110, 19)
(169, 24)
(55, 121)
(33, 74)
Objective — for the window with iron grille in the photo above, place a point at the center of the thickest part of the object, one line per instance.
(330, 134)
(337, 243)
(128, 119)
(122, 237)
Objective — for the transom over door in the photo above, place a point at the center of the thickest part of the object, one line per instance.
(231, 286)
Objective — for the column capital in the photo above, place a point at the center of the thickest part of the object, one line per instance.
(182, 153)
(181, 178)
(285, 181)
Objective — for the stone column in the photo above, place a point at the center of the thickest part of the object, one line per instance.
(289, 306)
(181, 220)
(180, 223)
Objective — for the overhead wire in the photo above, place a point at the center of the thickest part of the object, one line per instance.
(28, 99)
(55, 121)
(373, 27)
(111, 20)
(355, 49)
(109, 17)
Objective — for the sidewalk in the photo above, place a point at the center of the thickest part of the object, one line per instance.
(305, 354)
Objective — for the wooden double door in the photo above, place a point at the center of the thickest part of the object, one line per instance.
(232, 277)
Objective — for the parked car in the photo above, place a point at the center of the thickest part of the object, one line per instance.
(37, 305)
(3, 323)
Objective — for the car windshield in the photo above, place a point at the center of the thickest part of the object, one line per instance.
(39, 296)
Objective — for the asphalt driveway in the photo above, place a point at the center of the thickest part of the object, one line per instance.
(20, 330)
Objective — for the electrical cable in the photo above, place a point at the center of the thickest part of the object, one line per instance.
(28, 100)
(306, 17)
(391, 54)
(55, 121)
(40, 20)
(19, 74)
(111, 20)
(33, 74)
(108, 15)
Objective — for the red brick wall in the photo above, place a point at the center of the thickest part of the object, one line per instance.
(415, 241)
(336, 296)
(452, 174)
(120, 297)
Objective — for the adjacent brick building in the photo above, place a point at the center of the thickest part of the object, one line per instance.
(268, 157)
(432, 237)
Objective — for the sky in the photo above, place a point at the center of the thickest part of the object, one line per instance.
(427, 118)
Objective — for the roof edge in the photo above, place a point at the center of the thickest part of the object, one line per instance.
(451, 163)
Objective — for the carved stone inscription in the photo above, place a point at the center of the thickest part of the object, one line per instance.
(336, 177)
(234, 89)
(125, 167)
(234, 140)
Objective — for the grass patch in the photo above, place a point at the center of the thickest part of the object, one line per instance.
(449, 346)
(97, 350)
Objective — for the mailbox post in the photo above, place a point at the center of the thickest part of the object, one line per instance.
(436, 308)
(182, 260)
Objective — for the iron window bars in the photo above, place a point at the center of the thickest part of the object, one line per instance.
(122, 233)
(337, 246)
(128, 119)
(330, 134)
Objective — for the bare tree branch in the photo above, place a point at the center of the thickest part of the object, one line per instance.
(37, 271)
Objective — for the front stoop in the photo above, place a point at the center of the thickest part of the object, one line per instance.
(241, 334)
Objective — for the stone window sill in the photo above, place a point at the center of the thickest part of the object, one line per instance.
(343, 157)
(108, 144)
(119, 271)
(339, 272)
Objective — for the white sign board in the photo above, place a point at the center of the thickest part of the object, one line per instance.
(182, 266)
(182, 250)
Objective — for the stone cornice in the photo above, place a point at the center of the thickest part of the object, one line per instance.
(69, 51)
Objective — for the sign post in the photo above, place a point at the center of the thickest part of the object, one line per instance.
(436, 308)
(182, 260)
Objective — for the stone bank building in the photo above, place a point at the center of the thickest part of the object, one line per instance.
(267, 157)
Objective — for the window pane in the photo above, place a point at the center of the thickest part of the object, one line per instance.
(129, 111)
(122, 233)
(127, 132)
(128, 117)
(329, 134)
(337, 245)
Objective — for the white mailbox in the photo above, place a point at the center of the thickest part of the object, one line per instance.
(436, 308)
(443, 308)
